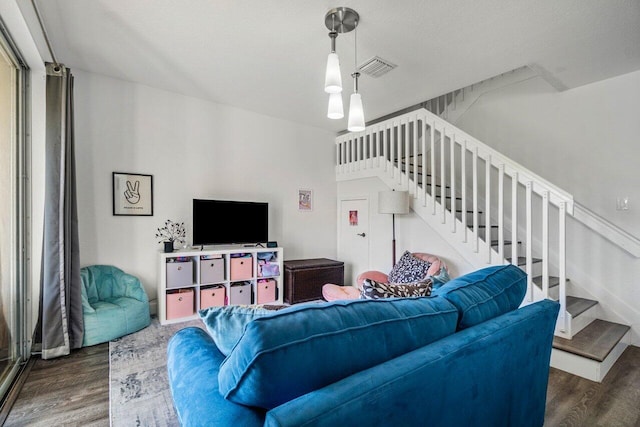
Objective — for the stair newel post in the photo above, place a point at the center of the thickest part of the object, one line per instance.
(424, 160)
(407, 155)
(476, 243)
(452, 167)
(357, 152)
(562, 264)
(394, 141)
(545, 243)
(501, 211)
(443, 176)
(415, 157)
(514, 218)
(487, 203)
(463, 187)
(528, 255)
(433, 167)
(384, 140)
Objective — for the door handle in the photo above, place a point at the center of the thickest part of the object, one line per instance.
(361, 234)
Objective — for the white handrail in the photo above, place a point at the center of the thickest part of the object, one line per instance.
(421, 133)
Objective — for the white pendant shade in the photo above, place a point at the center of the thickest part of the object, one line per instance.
(336, 110)
(356, 114)
(332, 79)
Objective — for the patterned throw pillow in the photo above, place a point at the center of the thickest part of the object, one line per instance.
(376, 290)
(409, 269)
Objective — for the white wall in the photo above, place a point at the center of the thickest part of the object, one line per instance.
(586, 141)
(412, 233)
(193, 149)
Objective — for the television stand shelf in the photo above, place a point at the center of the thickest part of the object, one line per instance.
(190, 280)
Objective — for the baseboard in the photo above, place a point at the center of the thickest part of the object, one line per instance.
(153, 307)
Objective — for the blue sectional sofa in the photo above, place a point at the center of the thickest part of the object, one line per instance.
(466, 356)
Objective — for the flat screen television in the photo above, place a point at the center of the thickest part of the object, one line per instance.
(222, 222)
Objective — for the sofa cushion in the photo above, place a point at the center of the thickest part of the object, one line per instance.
(226, 324)
(372, 289)
(485, 294)
(409, 269)
(295, 351)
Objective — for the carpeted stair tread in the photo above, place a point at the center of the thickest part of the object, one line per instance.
(595, 341)
(576, 305)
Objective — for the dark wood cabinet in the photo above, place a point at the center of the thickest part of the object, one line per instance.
(304, 278)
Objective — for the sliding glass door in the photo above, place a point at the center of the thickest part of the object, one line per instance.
(13, 203)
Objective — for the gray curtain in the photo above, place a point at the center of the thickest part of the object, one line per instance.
(60, 326)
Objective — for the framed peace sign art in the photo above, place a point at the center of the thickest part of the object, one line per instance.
(132, 194)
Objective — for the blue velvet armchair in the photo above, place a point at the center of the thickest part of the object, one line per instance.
(114, 304)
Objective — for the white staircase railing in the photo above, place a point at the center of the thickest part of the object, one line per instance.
(500, 211)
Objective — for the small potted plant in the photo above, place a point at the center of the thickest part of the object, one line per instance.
(169, 233)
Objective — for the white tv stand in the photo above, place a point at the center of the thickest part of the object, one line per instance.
(185, 274)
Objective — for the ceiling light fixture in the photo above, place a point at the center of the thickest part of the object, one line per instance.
(356, 112)
(341, 20)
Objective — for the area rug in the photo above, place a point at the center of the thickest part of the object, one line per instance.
(139, 392)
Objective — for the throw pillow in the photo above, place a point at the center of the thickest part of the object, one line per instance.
(226, 324)
(409, 269)
(376, 290)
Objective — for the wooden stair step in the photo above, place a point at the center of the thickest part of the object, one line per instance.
(595, 341)
(495, 243)
(576, 305)
(553, 281)
(523, 260)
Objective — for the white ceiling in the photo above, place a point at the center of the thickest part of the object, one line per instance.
(269, 56)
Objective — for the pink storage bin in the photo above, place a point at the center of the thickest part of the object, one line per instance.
(266, 291)
(180, 304)
(241, 268)
(212, 297)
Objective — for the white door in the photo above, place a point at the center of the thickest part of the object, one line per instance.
(353, 238)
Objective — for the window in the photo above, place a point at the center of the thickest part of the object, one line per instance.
(13, 207)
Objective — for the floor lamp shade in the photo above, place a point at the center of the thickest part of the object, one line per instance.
(393, 202)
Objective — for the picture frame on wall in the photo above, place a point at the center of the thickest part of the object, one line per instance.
(305, 200)
(132, 194)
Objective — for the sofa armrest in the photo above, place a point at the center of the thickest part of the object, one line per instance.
(193, 362)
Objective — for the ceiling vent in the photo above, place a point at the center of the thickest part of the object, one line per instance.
(376, 66)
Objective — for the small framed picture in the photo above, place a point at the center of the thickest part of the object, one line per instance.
(353, 218)
(132, 194)
(305, 200)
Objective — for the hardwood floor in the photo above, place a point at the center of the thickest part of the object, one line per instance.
(74, 391)
(68, 391)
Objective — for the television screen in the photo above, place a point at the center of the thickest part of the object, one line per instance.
(219, 222)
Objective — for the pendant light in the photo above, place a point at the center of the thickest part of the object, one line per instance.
(356, 112)
(335, 110)
(333, 77)
(338, 20)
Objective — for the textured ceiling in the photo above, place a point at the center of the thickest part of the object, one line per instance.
(268, 56)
